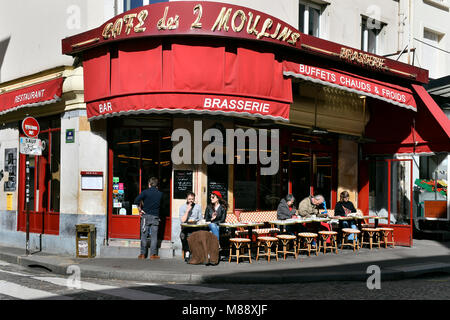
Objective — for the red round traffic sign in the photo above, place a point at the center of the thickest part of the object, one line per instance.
(30, 127)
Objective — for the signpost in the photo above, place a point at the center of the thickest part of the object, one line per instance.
(29, 146)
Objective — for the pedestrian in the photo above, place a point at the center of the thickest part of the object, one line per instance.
(189, 212)
(216, 212)
(149, 202)
(343, 208)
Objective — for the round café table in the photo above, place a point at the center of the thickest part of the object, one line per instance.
(248, 225)
(284, 223)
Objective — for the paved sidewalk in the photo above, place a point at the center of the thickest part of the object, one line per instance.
(397, 263)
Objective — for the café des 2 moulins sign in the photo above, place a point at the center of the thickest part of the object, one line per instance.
(30, 144)
(189, 18)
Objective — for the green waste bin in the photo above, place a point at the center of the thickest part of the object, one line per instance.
(85, 240)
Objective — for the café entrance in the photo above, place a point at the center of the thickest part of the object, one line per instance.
(138, 150)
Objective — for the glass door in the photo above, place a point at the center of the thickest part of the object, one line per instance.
(44, 196)
(137, 154)
(390, 196)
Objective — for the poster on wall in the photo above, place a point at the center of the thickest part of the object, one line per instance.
(10, 169)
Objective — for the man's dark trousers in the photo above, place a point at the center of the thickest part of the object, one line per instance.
(149, 227)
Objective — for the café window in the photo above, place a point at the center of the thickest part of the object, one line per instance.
(309, 18)
(252, 189)
(433, 173)
(370, 35)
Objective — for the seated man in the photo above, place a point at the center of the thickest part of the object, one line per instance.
(189, 211)
(310, 206)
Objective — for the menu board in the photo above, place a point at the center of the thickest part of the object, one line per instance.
(182, 183)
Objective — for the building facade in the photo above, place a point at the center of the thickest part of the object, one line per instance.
(110, 124)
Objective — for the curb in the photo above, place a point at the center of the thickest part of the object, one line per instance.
(391, 273)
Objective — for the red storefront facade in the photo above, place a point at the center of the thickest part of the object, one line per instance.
(218, 61)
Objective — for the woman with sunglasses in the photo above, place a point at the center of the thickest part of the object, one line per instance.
(216, 212)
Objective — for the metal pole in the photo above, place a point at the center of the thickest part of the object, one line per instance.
(27, 197)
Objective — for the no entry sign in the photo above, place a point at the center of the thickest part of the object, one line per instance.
(30, 127)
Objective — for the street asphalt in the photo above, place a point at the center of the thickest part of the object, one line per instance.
(423, 258)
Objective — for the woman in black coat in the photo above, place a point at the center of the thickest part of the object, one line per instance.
(343, 208)
(216, 212)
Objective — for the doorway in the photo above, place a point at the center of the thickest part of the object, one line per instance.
(390, 196)
(137, 153)
(44, 175)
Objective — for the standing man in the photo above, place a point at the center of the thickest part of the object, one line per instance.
(189, 211)
(149, 212)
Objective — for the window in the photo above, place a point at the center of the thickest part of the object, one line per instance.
(253, 190)
(370, 31)
(432, 177)
(131, 4)
(309, 19)
(430, 52)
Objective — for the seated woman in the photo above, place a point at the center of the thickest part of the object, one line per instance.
(216, 212)
(343, 208)
(286, 210)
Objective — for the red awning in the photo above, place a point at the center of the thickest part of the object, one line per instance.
(144, 77)
(435, 110)
(343, 80)
(398, 131)
(31, 96)
(188, 103)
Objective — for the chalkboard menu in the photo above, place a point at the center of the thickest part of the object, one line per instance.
(182, 183)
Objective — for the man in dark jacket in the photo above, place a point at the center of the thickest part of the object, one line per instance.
(149, 212)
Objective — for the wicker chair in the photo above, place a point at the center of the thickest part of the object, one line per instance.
(345, 242)
(307, 238)
(285, 240)
(239, 243)
(266, 243)
(324, 236)
(374, 237)
(386, 233)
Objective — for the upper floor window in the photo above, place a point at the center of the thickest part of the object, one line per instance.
(430, 52)
(370, 32)
(131, 4)
(309, 18)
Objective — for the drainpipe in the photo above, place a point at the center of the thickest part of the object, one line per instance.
(411, 30)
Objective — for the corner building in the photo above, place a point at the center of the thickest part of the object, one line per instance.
(342, 115)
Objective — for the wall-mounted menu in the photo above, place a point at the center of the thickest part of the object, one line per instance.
(182, 183)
